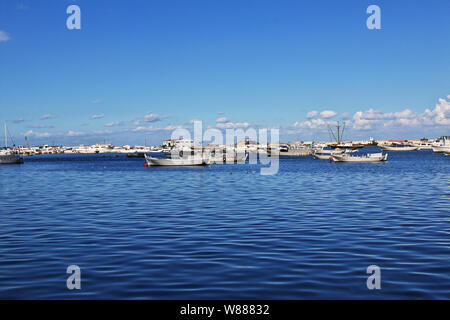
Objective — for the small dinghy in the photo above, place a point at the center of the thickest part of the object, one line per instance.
(371, 157)
(321, 156)
(182, 161)
(326, 156)
(399, 148)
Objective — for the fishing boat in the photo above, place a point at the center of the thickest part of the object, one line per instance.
(10, 156)
(441, 149)
(370, 157)
(398, 148)
(181, 161)
(442, 145)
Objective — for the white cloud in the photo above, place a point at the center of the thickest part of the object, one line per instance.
(19, 120)
(4, 36)
(96, 101)
(345, 116)
(440, 115)
(152, 117)
(312, 114)
(39, 126)
(98, 116)
(102, 132)
(48, 116)
(153, 129)
(31, 133)
(222, 119)
(71, 133)
(310, 124)
(114, 124)
(149, 117)
(370, 119)
(228, 125)
(326, 114)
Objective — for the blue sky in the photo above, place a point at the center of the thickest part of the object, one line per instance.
(138, 69)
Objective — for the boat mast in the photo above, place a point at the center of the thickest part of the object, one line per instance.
(331, 132)
(338, 133)
(6, 138)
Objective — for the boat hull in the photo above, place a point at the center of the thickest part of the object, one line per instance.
(295, 153)
(11, 159)
(367, 158)
(191, 161)
(321, 156)
(441, 149)
(388, 148)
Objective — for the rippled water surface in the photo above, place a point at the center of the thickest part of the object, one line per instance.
(225, 231)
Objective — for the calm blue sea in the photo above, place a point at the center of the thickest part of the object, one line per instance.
(225, 231)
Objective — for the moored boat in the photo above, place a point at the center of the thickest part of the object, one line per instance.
(326, 154)
(10, 156)
(442, 145)
(370, 157)
(182, 161)
(398, 148)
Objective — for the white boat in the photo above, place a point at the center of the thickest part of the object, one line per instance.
(399, 148)
(424, 146)
(319, 154)
(332, 151)
(370, 157)
(442, 145)
(441, 149)
(326, 151)
(9, 156)
(225, 158)
(182, 161)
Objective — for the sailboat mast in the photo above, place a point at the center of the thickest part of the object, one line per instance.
(6, 138)
(343, 128)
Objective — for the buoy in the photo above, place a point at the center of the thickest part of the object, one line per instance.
(146, 164)
(331, 158)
